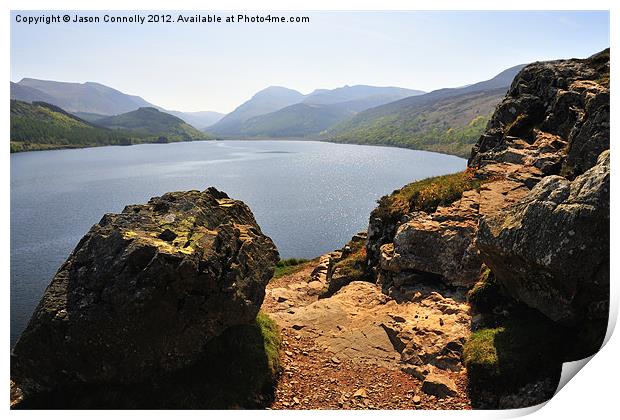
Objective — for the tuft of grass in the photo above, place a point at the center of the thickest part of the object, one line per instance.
(353, 266)
(272, 341)
(288, 266)
(526, 347)
(427, 194)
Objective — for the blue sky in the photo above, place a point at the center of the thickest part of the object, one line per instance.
(192, 67)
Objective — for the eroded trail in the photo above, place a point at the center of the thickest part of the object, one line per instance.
(362, 349)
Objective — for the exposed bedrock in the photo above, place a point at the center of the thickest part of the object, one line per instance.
(551, 250)
(553, 122)
(144, 291)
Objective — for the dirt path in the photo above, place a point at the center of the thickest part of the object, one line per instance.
(360, 349)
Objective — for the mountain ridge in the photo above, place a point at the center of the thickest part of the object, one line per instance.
(93, 99)
(421, 122)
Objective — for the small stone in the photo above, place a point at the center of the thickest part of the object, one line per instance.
(295, 400)
(288, 353)
(360, 393)
(336, 360)
(298, 326)
(416, 399)
(439, 385)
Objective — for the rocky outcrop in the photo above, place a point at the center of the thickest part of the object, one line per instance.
(536, 212)
(551, 250)
(553, 121)
(144, 291)
(440, 245)
(555, 117)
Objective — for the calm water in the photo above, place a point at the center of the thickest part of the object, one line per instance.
(309, 197)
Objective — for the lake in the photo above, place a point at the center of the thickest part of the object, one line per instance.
(309, 197)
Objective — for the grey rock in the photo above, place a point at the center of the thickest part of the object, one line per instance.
(144, 291)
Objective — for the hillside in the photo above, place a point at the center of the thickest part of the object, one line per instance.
(303, 115)
(357, 92)
(297, 120)
(445, 120)
(150, 122)
(319, 111)
(199, 119)
(41, 126)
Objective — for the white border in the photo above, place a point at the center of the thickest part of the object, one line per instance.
(592, 395)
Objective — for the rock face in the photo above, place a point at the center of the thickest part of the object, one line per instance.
(553, 121)
(555, 117)
(538, 217)
(440, 245)
(551, 250)
(144, 290)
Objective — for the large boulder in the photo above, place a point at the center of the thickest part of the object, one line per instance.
(144, 291)
(551, 250)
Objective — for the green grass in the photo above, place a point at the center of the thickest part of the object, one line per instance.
(353, 266)
(527, 346)
(427, 194)
(271, 342)
(288, 266)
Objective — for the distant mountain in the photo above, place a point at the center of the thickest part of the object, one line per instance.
(40, 126)
(92, 101)
(199, 119)
(267, 100)
(299, 120)
(28, 94)
(149, 121)
(359, 92)
(308, 115)
(82, 97)
(445, 120)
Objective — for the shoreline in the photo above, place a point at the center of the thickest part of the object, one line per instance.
(294, 139)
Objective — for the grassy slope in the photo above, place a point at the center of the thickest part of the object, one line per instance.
(41, 126)
(149, 122)
(448, 125)
(426, 194)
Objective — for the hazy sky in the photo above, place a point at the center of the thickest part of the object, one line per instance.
(192, 67)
